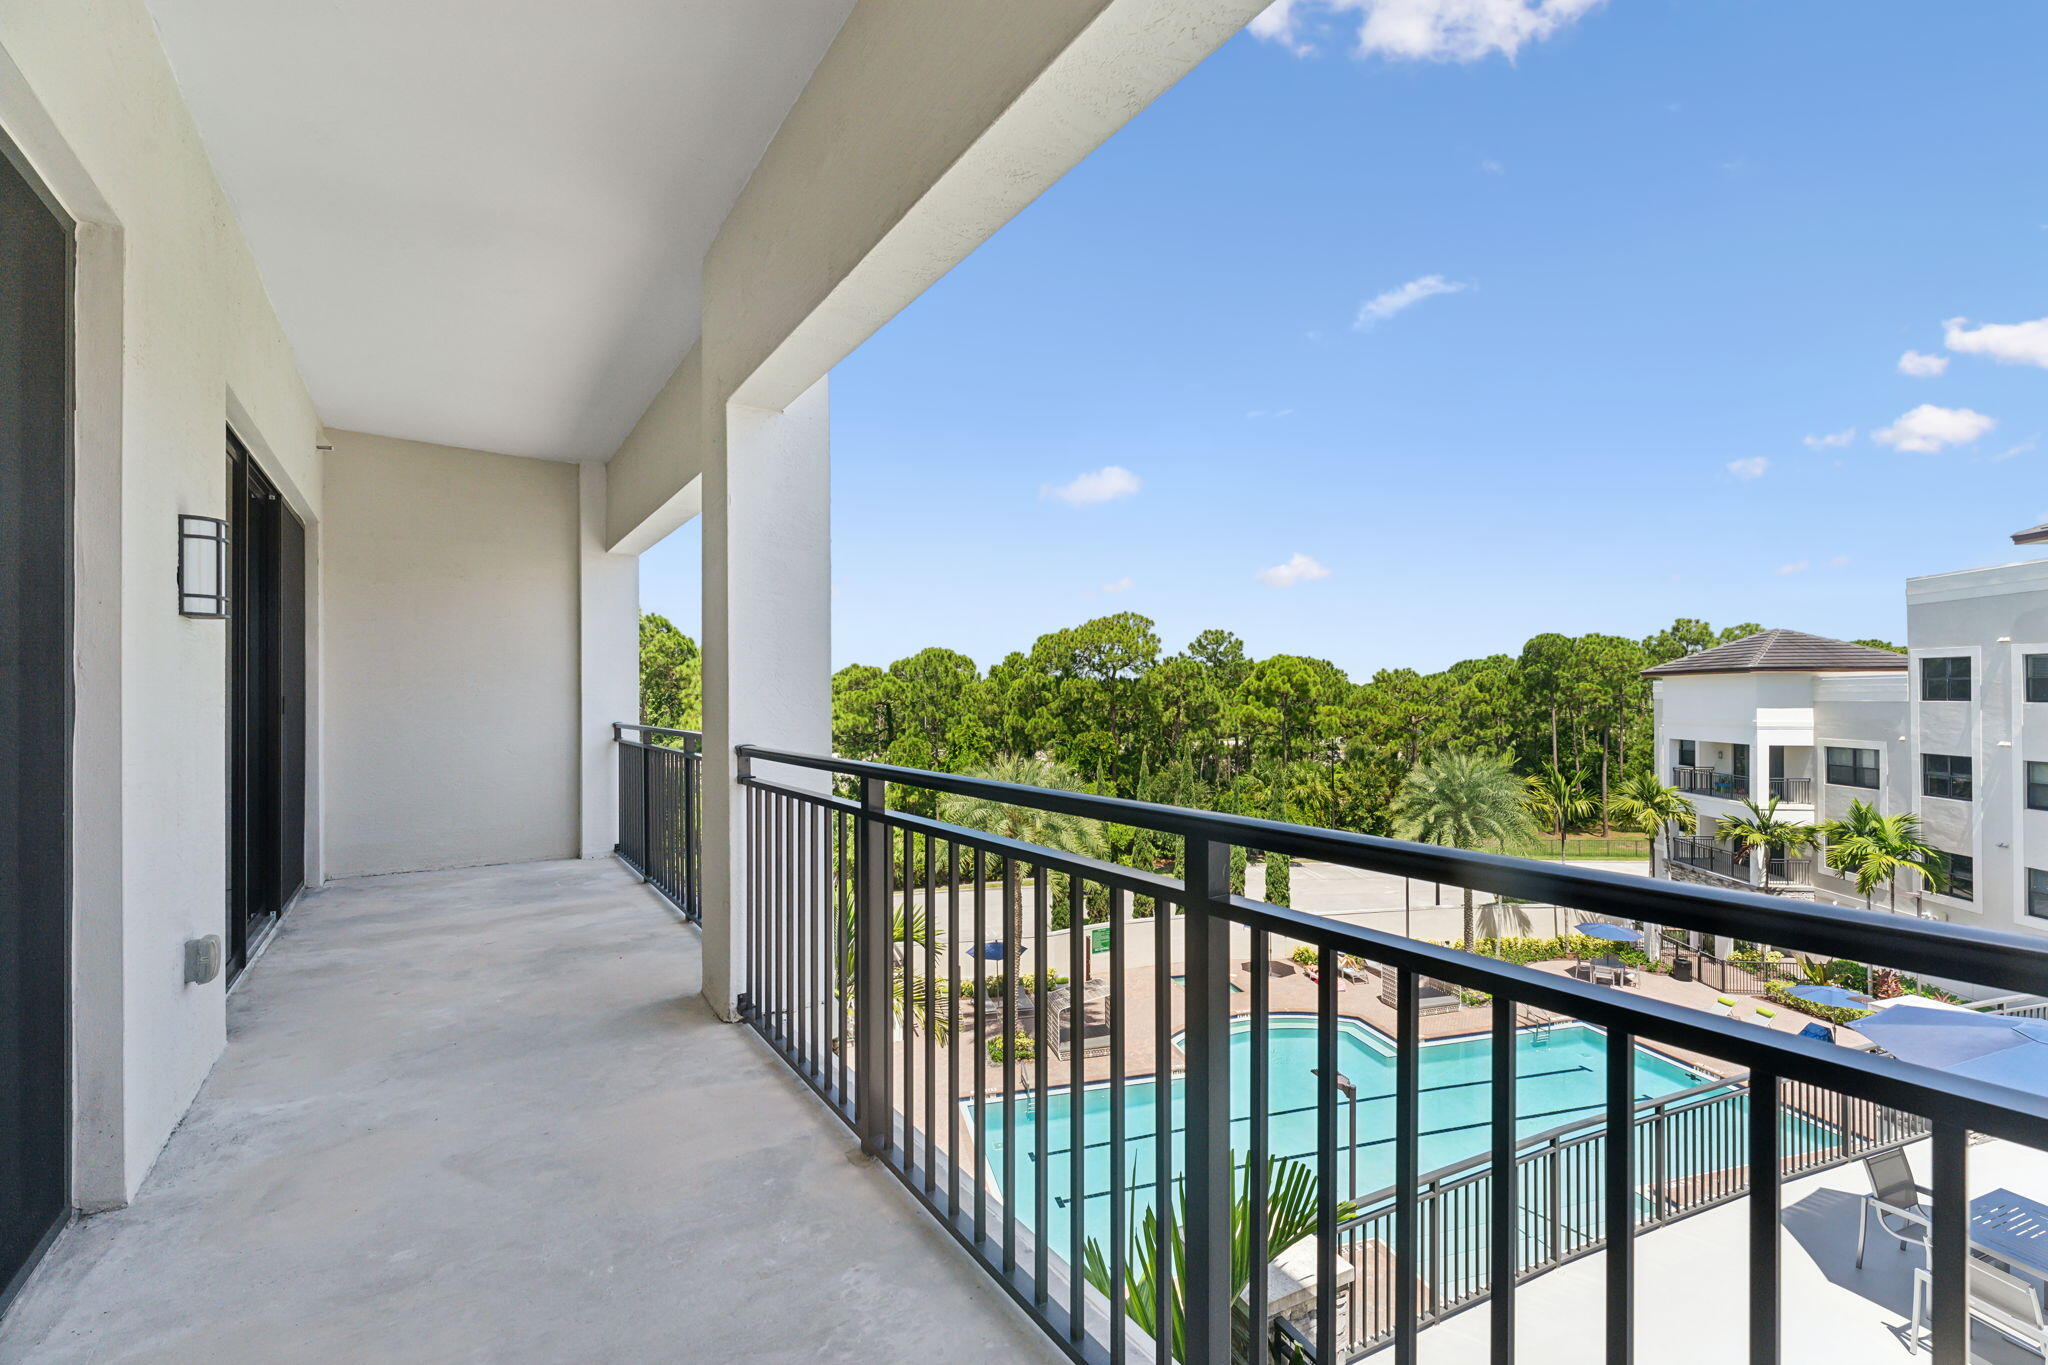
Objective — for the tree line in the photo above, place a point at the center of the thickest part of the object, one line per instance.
(1286, 736)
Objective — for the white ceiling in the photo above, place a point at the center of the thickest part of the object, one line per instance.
(481, 221)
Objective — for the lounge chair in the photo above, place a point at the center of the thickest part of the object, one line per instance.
(1818, 1031)
(2005, 1303)
(1727, 1005)
(1895, 1200)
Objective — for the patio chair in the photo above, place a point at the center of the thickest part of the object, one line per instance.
(1895, 1201)
(2005, 1303)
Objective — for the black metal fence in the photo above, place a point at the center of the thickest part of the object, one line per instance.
(1707, 782)
(660, 816)
(918, 974)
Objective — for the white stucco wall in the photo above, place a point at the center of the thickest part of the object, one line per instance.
(452, 660)
(175, 335)
(1995, 617)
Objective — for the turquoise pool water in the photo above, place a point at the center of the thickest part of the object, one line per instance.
(1560, 1076)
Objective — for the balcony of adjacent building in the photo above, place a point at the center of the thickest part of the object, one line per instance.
(1789, 778)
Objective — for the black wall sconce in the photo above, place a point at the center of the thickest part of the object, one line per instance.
(202, 566)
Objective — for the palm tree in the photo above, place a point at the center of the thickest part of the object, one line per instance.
(1027, 825)
(906, 988)
(1647, 805)
(1876, 848)
(1461, 800)
(1761, 829)
(1559, 799)
(1291, 1200)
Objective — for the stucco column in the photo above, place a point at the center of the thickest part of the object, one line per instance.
(608, 591)
(767, 637)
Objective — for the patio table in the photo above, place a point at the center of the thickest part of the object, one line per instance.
(2013, 1229)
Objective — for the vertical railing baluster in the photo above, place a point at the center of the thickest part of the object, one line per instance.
(931, 1004)
(1763, 1218)
(1407, 1158)
(1077, 1137)
(1326, 1155)
(871, 980)
(1258, 1142)
(1619, 1197)
(903, 954)
(1506, 1217)
(1041, 1083)
(1207, 1165)
(952, 1028)
(1948, 1251)
(978, 1061)
(1119, 1231)
(1162, 1159)
(1013, 952)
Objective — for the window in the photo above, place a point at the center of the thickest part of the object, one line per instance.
(1852, 767)
(1688, 754)
(1962, 877)
(1945, 679)
(1945, 775)
(2037, 893)
(2037, 677)
(1740, 759)
(2037, 786)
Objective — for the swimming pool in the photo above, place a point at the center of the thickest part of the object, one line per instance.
(1560, 1075)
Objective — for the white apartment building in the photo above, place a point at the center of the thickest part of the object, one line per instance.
(1941, 732)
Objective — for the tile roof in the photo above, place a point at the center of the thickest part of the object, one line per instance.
(1783, 651)
(2037, 536)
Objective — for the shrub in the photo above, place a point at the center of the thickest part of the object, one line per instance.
(1279, 880)
(1020, 1043)
(1526, 951)
(1781, 994)
(1027, 984)
(1307, 955)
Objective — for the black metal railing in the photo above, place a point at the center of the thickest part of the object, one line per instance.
(1690, 1154)
(660, 810)
(1796, 791)
(1707, 782)
(1709, 856)
(1050, 1117)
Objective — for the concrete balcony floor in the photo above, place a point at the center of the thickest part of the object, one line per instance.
(483, 1115)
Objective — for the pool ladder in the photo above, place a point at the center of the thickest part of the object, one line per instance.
(1538, 1022)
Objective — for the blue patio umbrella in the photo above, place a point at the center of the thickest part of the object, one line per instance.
(1986, 1047)
(994, 951)
(1832, 996)
(1613, 933)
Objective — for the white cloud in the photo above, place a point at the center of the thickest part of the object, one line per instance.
(1921, 365)
(1928, 428)
(1492, 167)
(1257, 413)
(1840, 562)
(1751, 468)
(2008, 343)
(1796, 566)
(1833, 440)
(2022, 448)
(1104, 485)
(1423, 30)
(1123, 584)
(1299, 569)
(1380, 307)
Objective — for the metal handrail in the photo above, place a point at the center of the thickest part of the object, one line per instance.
(1988, 957)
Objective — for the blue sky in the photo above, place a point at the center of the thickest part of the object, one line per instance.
(1630, 275)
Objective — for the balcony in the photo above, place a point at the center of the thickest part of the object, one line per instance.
(484, 1115)
(1707, 782)
(873, 932)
